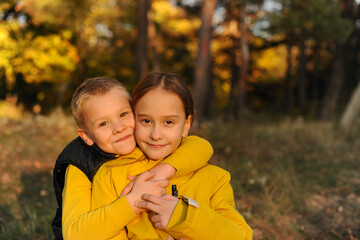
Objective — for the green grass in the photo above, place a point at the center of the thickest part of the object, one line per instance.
(29, 148)
(291, 179)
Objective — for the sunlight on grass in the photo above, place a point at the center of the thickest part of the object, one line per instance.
(9, 109)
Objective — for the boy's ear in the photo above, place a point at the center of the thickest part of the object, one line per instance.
(82, 133)
(187, 126)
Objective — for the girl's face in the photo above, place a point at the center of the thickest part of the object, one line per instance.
(160, 123)
(109, 122)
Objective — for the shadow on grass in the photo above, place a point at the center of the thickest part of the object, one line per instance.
(36, 208)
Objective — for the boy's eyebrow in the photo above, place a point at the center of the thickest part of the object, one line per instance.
(101, 118)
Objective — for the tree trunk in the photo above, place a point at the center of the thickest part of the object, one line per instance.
(152, 41)
(287, 88)
(141, 38)
(352, 110)
(351, 57)
(210, 107)
(235, 64)
(245, 58)
(337, 79)
(333, 91)
(302, 71)
(3, 84)
(202, 65)
(316, 82)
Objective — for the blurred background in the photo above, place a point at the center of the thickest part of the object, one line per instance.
(275, 84)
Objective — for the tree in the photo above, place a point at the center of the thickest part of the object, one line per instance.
(152, 40)
(241, 58)
(336, 80)
(287, 85)
(202, 65)
(141, 38)
(334, 87)
(37, 58)
(352, 110)
(310, 25)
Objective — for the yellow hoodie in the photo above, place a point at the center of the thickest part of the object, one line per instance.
(81, 221)
(214, 215)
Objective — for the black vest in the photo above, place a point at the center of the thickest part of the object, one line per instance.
(87, 158)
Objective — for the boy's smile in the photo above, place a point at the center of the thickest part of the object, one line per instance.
(109, 122)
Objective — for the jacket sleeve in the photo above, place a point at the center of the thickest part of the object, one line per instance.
(79, 222)
(220, 220)
(193, 154)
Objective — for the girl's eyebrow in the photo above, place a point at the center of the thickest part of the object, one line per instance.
(166, 116)
(172, 116)
(141, 115)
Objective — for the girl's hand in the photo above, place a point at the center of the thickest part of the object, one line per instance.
(160, 171)
(163, 206)
(127, 189)
(144, 185)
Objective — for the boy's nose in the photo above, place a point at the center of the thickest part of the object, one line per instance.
(118, 127)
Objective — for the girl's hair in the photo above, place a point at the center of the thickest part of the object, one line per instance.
(169, 82)
(91, 87)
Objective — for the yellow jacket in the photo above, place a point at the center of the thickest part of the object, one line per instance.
(215, 217)
(79, 222)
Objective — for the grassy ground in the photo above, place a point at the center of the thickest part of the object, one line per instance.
(292, 180)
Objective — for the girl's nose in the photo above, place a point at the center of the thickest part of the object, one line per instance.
(156, 133)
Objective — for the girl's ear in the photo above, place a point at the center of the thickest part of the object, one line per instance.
(187, 126)
(82, 133)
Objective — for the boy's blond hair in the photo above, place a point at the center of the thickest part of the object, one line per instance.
(89, 88)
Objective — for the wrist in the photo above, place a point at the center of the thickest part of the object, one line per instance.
(178, 215)
(131, 200)
(163, 171)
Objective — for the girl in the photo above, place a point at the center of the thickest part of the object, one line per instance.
(202, 202)
(101, 108)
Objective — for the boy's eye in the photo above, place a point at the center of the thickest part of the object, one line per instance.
(124, 114)
(103, 124)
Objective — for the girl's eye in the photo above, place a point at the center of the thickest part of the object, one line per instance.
(123, 114)
(169, 122)
(145, 121)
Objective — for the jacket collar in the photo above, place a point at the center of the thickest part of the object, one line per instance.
(101, 154)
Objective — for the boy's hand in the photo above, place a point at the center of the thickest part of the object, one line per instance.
(163, 171)
(163, 206)
(143, 184)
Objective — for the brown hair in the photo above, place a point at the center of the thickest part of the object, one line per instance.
(89, 88)
(169, 82)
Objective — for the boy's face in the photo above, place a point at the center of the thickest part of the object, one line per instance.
(160, 123)
(109, 122)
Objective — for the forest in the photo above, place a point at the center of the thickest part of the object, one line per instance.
(276, 87)
(289, 57)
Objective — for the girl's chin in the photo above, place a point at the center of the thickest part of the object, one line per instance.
(157, 156)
